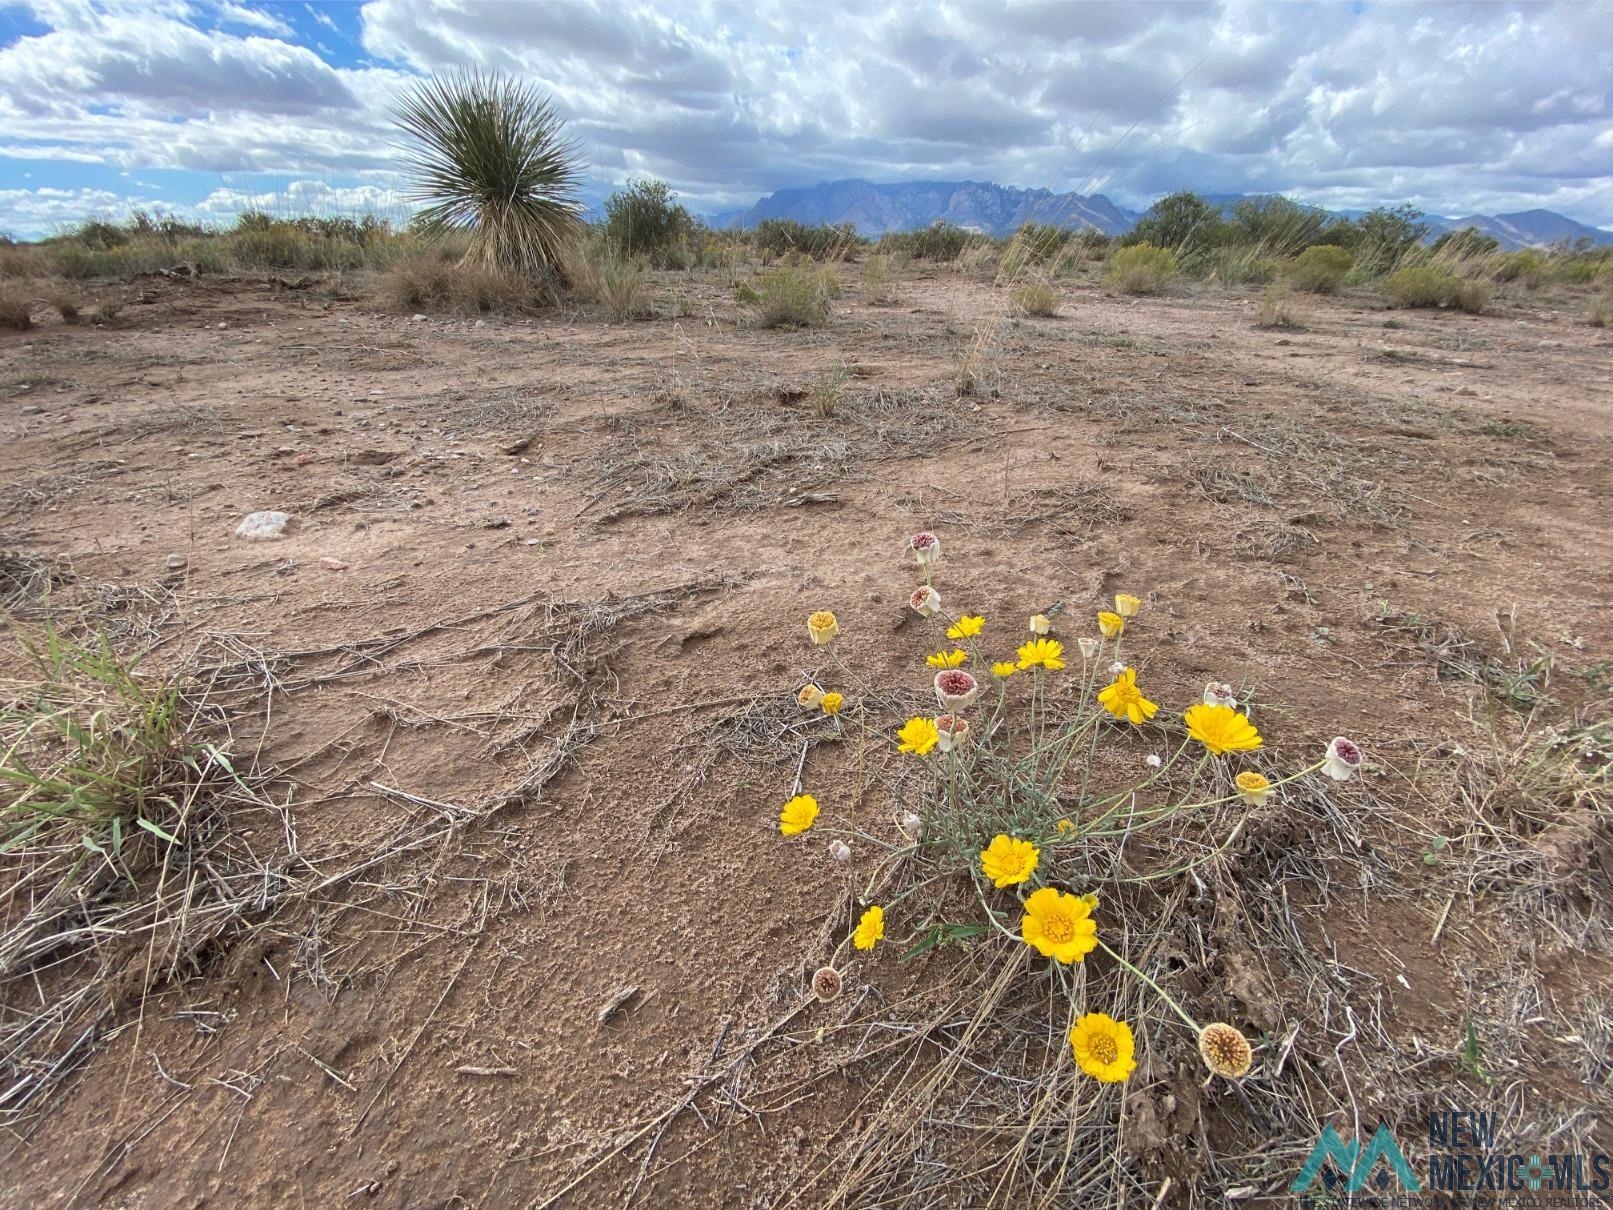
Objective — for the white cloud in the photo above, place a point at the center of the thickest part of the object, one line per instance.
(1453, 106)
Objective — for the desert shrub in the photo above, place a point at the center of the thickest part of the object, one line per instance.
(1239, 265)
(434, 283)
(644, 221)
(1380, 239)
(1428, 286)
(1467, 242)
(1599, 314)
(14, 315)
(1319, 269)
(1183, 222)
(879, 276)
(66, 306)
(1036, 298)
(18, 260)
(489, 161)
(775, 238)
(1140, 269)
(616, 282)
(1527, 266)
(941, 241)
(789, 297)
(1277, 225)
(1277, 310)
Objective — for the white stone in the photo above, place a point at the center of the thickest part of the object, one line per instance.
(263, 526)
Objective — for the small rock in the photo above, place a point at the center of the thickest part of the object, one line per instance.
(263, 526)
(1284, 341)
(419, 319)
(332, 564)
(33, 409)
(222, 326)
(176, 562)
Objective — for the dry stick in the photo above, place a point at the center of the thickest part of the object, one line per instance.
(409, 1050)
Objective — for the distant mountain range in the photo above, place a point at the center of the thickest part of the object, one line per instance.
(1000, 209)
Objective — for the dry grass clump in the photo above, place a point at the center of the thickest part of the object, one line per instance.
(793, 296)
(432, 283)
(1278, 310)
(613, 281)
(1320, 269)
(1599, 314)
(14, 315)
(1036, 298)
(1140, 269)
(879, 276)
(1428, 286)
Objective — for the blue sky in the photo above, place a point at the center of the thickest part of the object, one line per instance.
(205, 108)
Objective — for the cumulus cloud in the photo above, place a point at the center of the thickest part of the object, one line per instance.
(1454, 107)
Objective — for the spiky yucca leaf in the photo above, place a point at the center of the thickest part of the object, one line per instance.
(488, 158)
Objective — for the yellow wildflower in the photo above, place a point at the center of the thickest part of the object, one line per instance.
(1059, 926)
(1111, 624)
(1253, 788)
(797, 815)
(870, 929)
(1004, 669)
(918, 736)
(1124, 700)
(822, 627)
(966, 627)
(1008, 860)
(947, 659)
(1221, 729)
(832, 702)
(1040, 623)
(1127, 605)
(1045, 653)
(1065, 827)
(1103, 1047)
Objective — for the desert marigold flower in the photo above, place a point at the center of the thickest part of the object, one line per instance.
(1040, 623)
(1065, 827)
(1219, 693)
(826, 983)
(1127, 605)
(953, 732)
(1253, 788)
(840, 851)
(1111, 624)
(1042, 653)
(1221, 729)
(966, 627)
(925, 601)
(918, 736)
(1343, 759)
(797, 815)
(870, 929)
(1004, 669)
(1103, 1047)
(1124, 700)
(810, 697)
(1226, 1052)
(1008, 860)
(1059, 926)
(955, 658)
(832, 702)
(926, 547)
(1089, 647)
(822, 627)
(956, 688)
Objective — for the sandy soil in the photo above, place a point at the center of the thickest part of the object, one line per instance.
(538, 624)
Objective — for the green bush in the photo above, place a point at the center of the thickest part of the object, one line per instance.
(1140, 269)
(1183, 223)
(1276, 225)
(1319, 269)
(1527, 266)
(643, 221)
(1426, 286)
(790, 297)
(941, 241)
(778, 237)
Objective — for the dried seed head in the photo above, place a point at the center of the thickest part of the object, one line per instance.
(840, 851)
(1226, 1051)
(826, 983)
(913, 825)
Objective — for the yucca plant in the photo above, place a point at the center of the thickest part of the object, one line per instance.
(488, 159)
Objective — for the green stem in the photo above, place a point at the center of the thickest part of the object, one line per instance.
(1160, 991)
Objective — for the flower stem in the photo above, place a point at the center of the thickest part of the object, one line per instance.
(1160, 991)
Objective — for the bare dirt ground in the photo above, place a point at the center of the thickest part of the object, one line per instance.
(525, 667)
